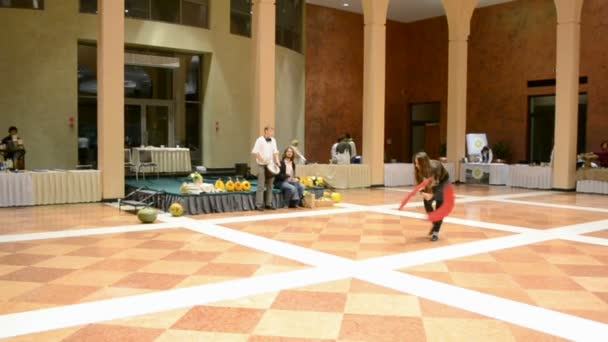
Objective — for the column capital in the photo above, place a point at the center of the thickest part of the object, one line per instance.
(568, 11)
(459, 13)
(374, 12)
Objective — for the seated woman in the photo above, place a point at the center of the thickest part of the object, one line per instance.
(286, 180)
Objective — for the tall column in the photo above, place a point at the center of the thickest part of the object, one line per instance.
(110, 97)
(566, 92)
(459, 14)
(263, 36)
(374, 73)
(179, 79)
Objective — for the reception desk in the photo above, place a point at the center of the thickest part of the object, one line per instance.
(49, 187)
(338, 176)
(478, 173)
(167, 159)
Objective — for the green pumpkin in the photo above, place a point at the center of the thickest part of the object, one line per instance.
(147, 215)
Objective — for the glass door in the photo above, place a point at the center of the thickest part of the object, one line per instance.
(148, 124)
(133, 126)
(157, 125)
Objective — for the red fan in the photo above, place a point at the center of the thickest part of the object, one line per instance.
(446, 207)
(415, 191)
(443, 211)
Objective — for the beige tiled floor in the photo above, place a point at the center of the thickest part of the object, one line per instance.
(559, 275)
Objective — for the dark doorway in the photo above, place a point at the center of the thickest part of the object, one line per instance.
(425, 128)
(541, 127)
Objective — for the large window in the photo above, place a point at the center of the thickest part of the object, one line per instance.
(185, 12)
(162, 101)
(29, 4)
(240, 17)
(289, 21)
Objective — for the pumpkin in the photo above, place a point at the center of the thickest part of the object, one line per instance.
(219, 185)
(176, 209)
(229, 185)
(238, 186)
(147, 215)
(336, 197)
(246, 186)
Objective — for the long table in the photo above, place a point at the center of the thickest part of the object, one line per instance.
(167, 159)
(479, 173)
(338, 176)
(402, 174)
(532, 177)
(592, 180)
(50, 187)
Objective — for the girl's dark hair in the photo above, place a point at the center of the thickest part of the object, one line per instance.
(293, 153)
(424, 163)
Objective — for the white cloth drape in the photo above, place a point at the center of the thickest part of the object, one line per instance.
(167, 159)
(338, 176)
(592, 186)
(533, 177)
(16, 189)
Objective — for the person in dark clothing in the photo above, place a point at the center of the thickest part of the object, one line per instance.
(427, 168)
(486, 155)
(13, 147)
(286, 180)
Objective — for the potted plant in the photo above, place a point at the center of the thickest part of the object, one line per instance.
(196, 178)
(501, 151)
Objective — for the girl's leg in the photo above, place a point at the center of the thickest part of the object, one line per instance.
(438, 203)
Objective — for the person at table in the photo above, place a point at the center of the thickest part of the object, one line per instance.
(486, 155)
(13, 147)
(351, 143)
(334, 148)
(298, 156)
(427, 168)
(343, 152)
(286, 180)
(265, 152)
(603, 154)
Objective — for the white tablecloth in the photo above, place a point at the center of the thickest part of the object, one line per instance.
(52, 187)
(167, 159)
(399, 174)
(16, 189)
(77, 186)
(592, 186)
(338, 176)
(402, 174)
(499, 173)
(533, 177)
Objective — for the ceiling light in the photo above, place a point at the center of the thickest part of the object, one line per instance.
(345, 4)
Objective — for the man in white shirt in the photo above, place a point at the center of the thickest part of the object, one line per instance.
(265, 152)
